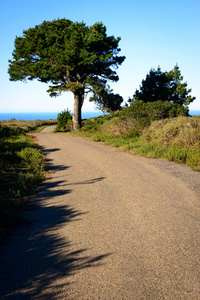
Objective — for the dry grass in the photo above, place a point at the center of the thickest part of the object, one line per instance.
(118, 126)
(27, 125)
(181, 132)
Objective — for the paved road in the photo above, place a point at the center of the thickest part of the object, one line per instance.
(106, 225)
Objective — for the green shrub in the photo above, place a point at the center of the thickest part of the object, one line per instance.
(148, 112)
(63, 118)
(132, 121)
(93, 125)
(69, 126)
(179, 132)
(31, 158)
(6, 131)
(176, 139)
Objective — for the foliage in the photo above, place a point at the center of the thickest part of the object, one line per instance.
(151, 111)
(6, 131)
(21, 171)
(179, 92)
(63, 118)
(139, 115)
(31, 158)
(93, 124)
(69, 55)
(154, 87)
(134, 119)
(107, 101)
(165, 86)
(180, 132)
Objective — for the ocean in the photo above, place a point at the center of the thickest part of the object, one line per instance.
(42, 115)
(53, 115)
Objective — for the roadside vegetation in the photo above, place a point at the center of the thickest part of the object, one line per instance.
(22, 168)
(64, 121)
(157, 130)
(28, 126)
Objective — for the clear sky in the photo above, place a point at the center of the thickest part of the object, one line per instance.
(153, 33)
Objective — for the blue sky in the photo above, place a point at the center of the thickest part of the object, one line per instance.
(153, 33)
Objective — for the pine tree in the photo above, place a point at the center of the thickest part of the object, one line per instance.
(164, 86)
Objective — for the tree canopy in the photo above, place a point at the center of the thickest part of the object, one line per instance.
(165, 86)
(69, 55)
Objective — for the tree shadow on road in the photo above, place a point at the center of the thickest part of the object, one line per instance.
(47, 151)
(49, 162)
(38, 262)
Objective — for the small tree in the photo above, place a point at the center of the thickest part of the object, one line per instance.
(70, 55)
(179, 92)
(62, 119)
(165, 86)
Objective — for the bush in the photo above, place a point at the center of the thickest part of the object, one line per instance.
(93, 124)
(31, 158)
(6, 131)
(148, 112)
(63, 118)
(132, 120)
(179, 132)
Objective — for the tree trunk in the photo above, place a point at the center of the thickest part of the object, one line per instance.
(78, 102)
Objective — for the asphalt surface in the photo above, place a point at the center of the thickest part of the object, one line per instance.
(105, 225)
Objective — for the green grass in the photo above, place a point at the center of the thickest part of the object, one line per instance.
(172, 153)
(21, 171)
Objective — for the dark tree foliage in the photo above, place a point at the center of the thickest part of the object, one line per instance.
(154, 87)
(106, 100)
(69, 55)
(164, 86)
